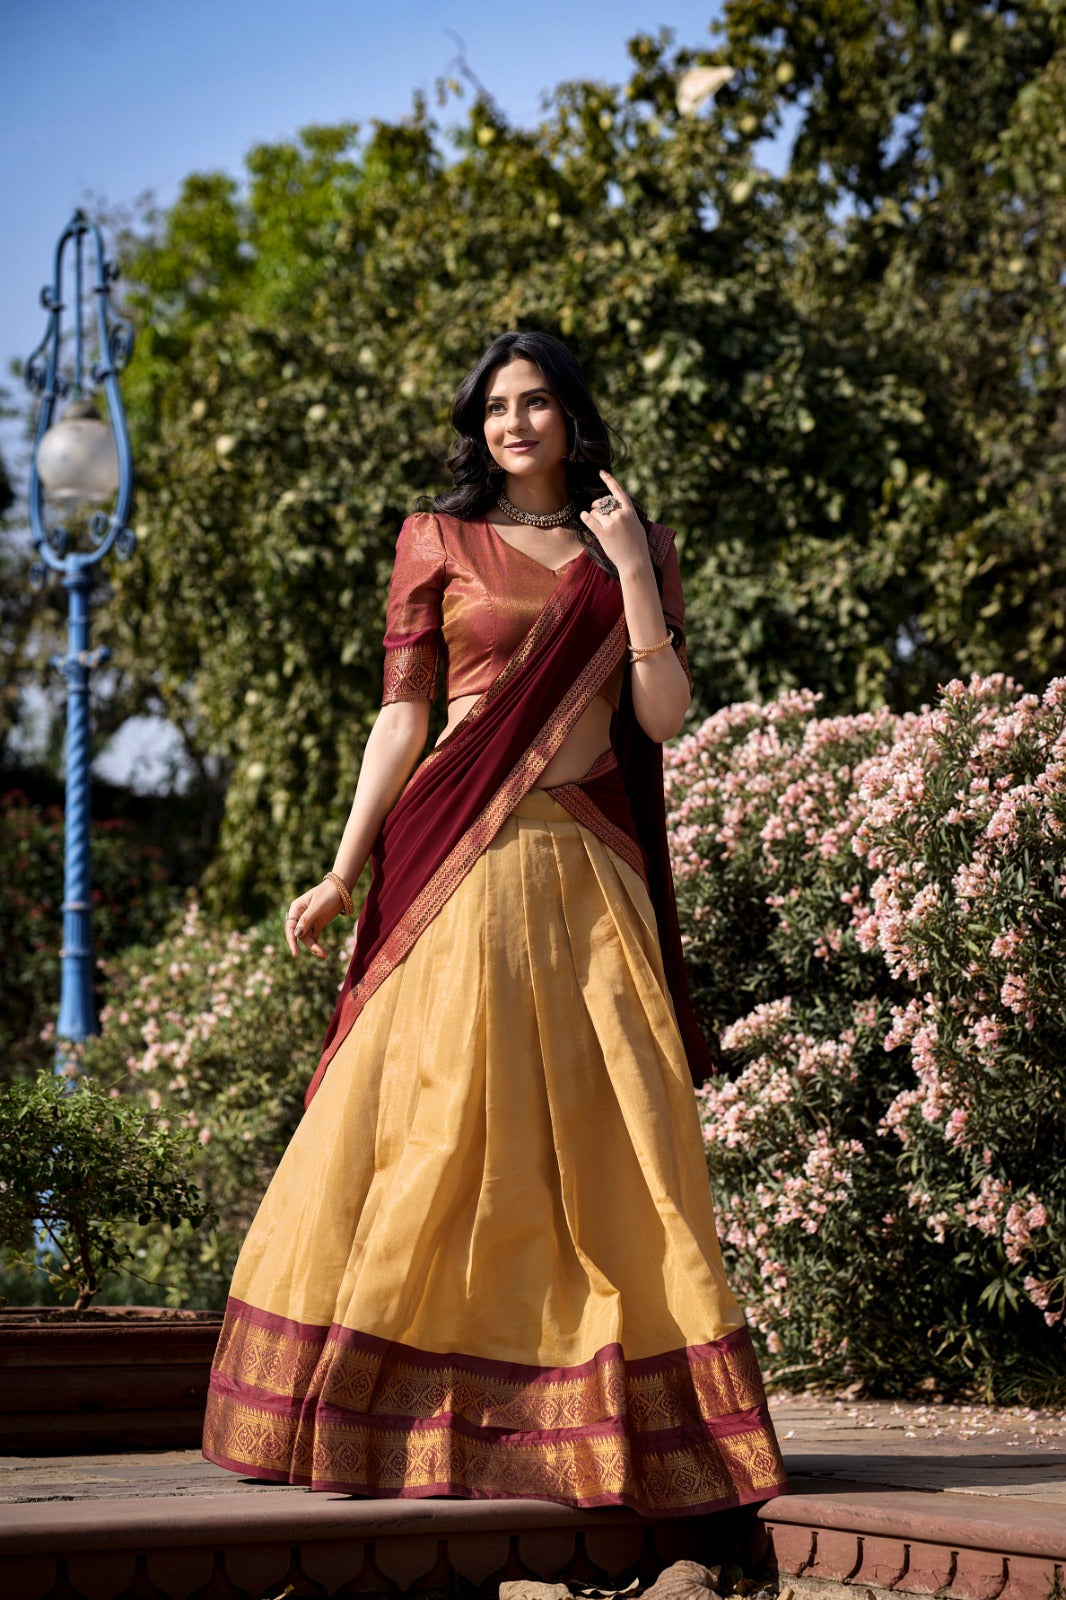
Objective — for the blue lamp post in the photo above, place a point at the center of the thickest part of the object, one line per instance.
(79, 460)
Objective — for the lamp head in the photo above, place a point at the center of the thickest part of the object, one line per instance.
(77, 458)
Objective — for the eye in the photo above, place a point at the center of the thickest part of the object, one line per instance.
(494, 405)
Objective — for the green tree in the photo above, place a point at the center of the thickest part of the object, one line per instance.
(843, 385)
(80, 1165)
(941, 129)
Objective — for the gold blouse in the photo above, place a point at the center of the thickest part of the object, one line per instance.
(460, 591)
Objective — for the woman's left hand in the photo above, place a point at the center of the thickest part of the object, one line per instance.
(614, 520)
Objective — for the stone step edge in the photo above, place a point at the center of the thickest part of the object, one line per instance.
(251, 1545)
(1006, 1524)
(869, 1544)
(293, 1514)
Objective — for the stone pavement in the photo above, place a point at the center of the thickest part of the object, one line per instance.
(977, 1450)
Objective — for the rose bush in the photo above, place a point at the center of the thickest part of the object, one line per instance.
(873, 915)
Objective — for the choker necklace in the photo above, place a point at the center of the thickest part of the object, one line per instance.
(552, 519)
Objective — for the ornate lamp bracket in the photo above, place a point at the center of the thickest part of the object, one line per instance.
(44, 376)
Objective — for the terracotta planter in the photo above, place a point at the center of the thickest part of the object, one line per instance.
(111, 1377)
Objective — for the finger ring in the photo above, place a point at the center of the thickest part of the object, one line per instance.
(292, 919)
(606, 503)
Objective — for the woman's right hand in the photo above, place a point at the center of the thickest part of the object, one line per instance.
(396, 741)
(308, 915)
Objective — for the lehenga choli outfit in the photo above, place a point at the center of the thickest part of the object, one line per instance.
(487, 1263)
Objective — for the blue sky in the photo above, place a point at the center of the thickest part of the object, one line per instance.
(110, 98)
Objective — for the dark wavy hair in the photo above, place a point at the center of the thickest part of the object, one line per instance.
(477, 480)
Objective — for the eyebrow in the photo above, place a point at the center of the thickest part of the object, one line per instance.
(541, 388)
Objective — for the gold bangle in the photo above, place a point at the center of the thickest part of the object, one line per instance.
(651, 649)
(342, 889)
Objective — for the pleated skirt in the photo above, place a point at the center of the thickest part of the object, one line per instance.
(487, 1263)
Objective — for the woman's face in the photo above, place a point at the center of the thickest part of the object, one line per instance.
(525, 426)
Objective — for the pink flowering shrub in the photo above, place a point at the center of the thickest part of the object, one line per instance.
(218, 1032)
(761, 816)
(968, 909)
(872, 909)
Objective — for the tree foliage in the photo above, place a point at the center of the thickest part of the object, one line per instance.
(844, 385)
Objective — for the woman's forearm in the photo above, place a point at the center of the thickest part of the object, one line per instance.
(396, 741)
(661, 693)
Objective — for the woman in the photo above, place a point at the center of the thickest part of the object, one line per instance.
(487, 1264)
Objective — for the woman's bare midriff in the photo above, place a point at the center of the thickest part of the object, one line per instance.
(587, 740)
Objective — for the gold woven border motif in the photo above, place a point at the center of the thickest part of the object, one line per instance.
(357, 1458)
(370, 1375)
(686, 1431)
(410, 673)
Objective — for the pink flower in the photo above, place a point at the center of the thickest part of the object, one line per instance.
(1015, 993)
(987, 1032)
(1023, 1215)
(955, 1131)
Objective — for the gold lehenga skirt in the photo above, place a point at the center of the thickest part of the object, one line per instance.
(487, 1264)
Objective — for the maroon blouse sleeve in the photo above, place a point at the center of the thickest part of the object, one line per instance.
(413, 615)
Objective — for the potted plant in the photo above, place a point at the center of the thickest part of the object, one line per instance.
(77, 1166)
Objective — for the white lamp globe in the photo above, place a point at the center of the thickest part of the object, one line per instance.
(77, 459)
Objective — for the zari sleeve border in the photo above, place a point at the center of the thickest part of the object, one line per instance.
(410, 673)
(414, 613)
